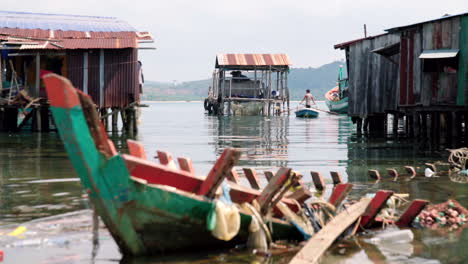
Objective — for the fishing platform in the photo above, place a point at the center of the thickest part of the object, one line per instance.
(249, 84)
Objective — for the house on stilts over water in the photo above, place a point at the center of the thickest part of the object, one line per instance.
(417, 74)
(99, 55)
(249, 84)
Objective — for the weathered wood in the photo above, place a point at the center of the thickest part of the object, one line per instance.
(393, 173)
(268, 175)
(273, 188)
(113, 150)
(411, 171)
(301, 195)
(165, 158)
(115, 117)
(320, 242)
(339, 193)
(219, 171)
(374, 174)
(136, 149)
(411, 212)
(336, 177)
(233, 176)
(377, 203)
(318, 181)
(185, 164)
(251, 176)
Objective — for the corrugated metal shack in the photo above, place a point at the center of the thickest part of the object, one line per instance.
(258, 84)
(98, 54)
(417, 72)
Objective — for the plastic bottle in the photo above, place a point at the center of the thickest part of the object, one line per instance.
(398, 236)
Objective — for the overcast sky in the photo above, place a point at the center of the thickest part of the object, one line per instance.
(188, 34)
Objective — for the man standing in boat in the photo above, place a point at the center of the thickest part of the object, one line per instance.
(308, 98)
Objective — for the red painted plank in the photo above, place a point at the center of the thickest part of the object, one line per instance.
(302, 194)
(336, 177)
(164, 157)
(136, 149)
(219, 171)
(185, 164)
(339, 193)
(318, 181)
(273, 188)
(251, 175)
(233, 176)
(377, 203)
(268, 175)
(60, 91)
(411, 212)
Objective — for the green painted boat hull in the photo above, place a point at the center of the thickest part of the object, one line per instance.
(143, 219)
(340, 106)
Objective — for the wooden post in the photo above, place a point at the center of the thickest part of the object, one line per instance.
(358, 125)
(38, 80)
(115, 117)
(286, 87)
(123, 115)
(185, 164)
(336, 177)
(318, 181)
(395, 124)
(339, 193)
(101, 78)
(105, 120)
(44, 118)
(410, 123)
(269, 91)
(85, 72)
(424, 125)
(36, 121)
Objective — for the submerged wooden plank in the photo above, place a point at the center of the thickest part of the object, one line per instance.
(252, 177)
(318, 181)
(411, 212)
(219, 171)
(185, 164)
(321, 241)
(136, 149)
(339, 193)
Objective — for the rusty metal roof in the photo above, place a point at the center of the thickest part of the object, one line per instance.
(351, 42)
(252, 60)
(394, 29)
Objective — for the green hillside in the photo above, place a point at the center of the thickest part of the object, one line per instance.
(318, 80)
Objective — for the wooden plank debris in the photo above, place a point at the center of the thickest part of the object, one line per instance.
(377, 203)
(136, 149)
(272, 189)
(336, 177)
(233, 176)
(411, 171)
(411, 212)
(374, 174)
(339, 193)
(302, 194)
(185, 164)
(252, 177)
(219, 171)
(268, 175)
(318, 181)
(393, 173)
(320, 242)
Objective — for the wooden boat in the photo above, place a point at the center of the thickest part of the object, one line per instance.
(306, 113)
(336, 99)
(149, 208)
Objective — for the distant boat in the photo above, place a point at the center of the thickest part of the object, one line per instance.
(337, 98)
(306, 113)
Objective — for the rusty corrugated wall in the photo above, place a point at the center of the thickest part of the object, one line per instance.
(120, 75)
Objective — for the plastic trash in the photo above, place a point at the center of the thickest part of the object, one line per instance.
(428, 172)
(227, 221)
(398, 236)
(18, 231)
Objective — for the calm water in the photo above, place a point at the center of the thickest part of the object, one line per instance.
(37, 179)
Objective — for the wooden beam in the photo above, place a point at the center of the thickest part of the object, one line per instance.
(320, 242)
(85, 72)
(374, 174)
(185, 164)
(251, 176)
(233, 176)
(339, 193)
(268, 175)
(273, 188)
(336, 177)
(136, 149)
(411, 212)
(219, 171)
(377, 203)
(301, 195)
(317, 178)
(38, 77)
(101, 78)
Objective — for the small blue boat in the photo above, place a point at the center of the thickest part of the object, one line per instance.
(306, 113)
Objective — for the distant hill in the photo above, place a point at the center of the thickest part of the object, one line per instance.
(318, 80)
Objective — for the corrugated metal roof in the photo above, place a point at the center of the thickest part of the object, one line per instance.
(438, 54)
(27, 20)
(351, 42)
(253, 60)
(394, 29)
(82, 44)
